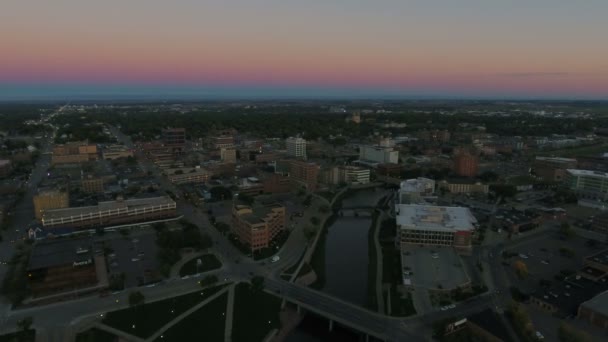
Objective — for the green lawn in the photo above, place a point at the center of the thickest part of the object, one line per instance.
(256, 313)
(96, 335)
(21, 336)
(401, 307)
(205, 324)
(150, 317)
(209, 262)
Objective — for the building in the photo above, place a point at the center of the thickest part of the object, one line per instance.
(223, 141)
(466, 164)
(65, 267)
(111, 213)
(355, 118)
(595, 310)
(417, 190)
(434, 136)
(304, 174)
(74, 152)
(5, 168)
(49, 199)
(378, 154)
(256, 226)
(435, 226)
(188, 175)
(593, 163)
(228, 155)
(112, 152)
(464, 187)
(587, 183)
(91, 185)
(296, 147)
(346, 174)
(174, 139)
(600, 222)
(553, 169)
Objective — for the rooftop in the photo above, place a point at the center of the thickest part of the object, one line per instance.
(557, 159)
(4, 162)
(598, 303)
(588, 173)
(427, 217)
(419, 184)
(109, 205)
(60, 252)
(600, 257)
(491, 322)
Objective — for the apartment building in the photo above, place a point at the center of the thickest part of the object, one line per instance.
(296, 147)
(256, 226)
(304, 174)
(587, 183)
(49, 199)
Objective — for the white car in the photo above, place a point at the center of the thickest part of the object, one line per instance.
(539, 335)
(275, 258)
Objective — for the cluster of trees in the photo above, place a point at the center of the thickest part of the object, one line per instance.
(14, 284)
(171, 241)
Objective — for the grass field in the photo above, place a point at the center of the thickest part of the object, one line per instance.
(256, 313)
(21, 336)
(205, 324)
(96, 335)
(150, 317)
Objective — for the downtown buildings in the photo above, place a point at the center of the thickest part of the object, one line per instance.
(257, 225)
(296, 147)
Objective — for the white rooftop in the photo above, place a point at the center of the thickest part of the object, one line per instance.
(588, 173)
(429, 217)
(557, 159)
(419, 184)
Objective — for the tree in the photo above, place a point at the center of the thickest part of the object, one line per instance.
(208, 280)
(315, 220)
(309, 233)
(257, 283)
(324, 209)
(566, 230)
(521, 269)
(25, 324)
(136, 298)
(488, 176)
(567, 333)
(247, 199)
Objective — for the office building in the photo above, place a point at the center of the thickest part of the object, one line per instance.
(296, 147)
(345, 174)
(304, 174)
(378, 154)
(111, 213)
(66, 266)
(256, 226)
(5, 168)
(465, 164)
(553, 169)
(587, 184)
(416, 190)
(223, 141)
(91, 185)
(462, 186)
(174, 139)
(49, 199)
(435, 226)
(74, 152)
(228, 155)
(595, 310)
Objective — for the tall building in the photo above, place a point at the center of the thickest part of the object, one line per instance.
(111, 213)
(466, 164)
(91, 185)
(588, 184)
(228, 155)
(345, 174)
(174, 139)
(304, 174)
(116, 151)
(296, 147)
(49, 199)
(256, 226)
(435, 226)
(378, 154)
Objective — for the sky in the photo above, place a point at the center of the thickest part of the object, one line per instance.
(309, 48)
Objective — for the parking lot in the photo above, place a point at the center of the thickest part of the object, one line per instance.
(433, 267)
(135, 257)
(550, 255)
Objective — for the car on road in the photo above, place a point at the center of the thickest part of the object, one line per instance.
(539, 336)
(523, 256)
(275, 258)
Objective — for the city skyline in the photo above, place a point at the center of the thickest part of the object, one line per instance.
(250, 49)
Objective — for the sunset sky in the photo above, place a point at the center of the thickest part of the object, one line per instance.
(312, 48)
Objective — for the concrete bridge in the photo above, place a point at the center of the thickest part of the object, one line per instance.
(359, 319)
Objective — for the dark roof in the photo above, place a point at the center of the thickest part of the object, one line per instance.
(601, 257)
(567, 295)
(490, 322)
(60, 252)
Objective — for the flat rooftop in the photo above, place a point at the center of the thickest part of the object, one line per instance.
(417, 184)
(60, 252)
(587, 173)
(557, 159)
(598, 303)
(108, 205)
(428, 217)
